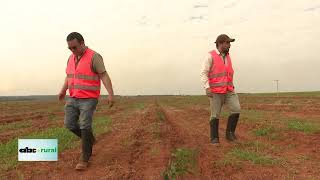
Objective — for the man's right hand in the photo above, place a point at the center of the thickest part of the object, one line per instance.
(209, 93)
(61, 95)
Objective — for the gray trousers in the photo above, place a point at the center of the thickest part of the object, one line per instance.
(79, 113)
(218, 100)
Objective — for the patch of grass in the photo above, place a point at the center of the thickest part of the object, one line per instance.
(259, 147)
(255, 146)
(253, 157)
(306, 127)
(227, 160)
(8, 155)
(252, 116)
(15, 125)
(249, 151)
(138, 105)
(263, 131)
(253, 151)
(66, 140)
(183, 161)
(101, 125)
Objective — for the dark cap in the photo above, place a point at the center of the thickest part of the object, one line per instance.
(224, 38)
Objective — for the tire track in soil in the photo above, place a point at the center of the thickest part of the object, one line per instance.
(123, 153)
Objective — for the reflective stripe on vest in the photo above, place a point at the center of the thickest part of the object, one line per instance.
(221, 84)
(220, 75)
(82, 76)
(83, 87)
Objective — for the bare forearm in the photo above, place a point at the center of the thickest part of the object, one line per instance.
(107, 82)
(65, 85)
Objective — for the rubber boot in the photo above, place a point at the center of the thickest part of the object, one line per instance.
(87, 143)
(76, 132)
(231, 127)
(234, 125)
(214, 126)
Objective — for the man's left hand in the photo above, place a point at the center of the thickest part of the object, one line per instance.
(110, 100)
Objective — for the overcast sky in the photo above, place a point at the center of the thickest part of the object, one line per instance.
(157, 47)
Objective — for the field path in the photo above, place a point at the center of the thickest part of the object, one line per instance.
(141, 141)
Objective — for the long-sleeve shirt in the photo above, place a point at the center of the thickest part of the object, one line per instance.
(206, 67)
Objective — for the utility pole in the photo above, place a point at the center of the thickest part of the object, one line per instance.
(277, 81)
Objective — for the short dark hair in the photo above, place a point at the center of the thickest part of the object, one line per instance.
(75, 35)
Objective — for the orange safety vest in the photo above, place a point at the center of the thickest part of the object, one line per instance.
(82, 82)
(220, 75)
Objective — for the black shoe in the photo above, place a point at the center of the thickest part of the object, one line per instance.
(214, 126)
(231, 127)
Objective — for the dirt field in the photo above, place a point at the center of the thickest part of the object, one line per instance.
(167, 137)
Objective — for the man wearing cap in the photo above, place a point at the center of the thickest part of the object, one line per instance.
(85, 71)
(217, 77)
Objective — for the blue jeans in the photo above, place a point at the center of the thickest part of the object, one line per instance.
(78, 119)
(79, 113)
